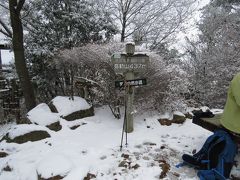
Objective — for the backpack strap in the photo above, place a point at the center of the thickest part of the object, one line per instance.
(210, 175)
(214, 151)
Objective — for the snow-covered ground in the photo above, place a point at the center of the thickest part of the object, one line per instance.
(94, 148)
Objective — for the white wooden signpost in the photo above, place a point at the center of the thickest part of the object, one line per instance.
(129, 64)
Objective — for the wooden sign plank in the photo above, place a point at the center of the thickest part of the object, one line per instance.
(135, 63)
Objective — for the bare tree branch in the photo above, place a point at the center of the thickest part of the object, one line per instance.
(4, 6)
(7, 30)
(4, 33)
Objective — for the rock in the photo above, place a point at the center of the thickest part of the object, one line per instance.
(178, 118)
(103, 157)
(74, 127)
(123, 164)
(77, 126)
(43, 116)
(136, 166)
(7, 168)
(80, 114)
(52, 107)
(3, 154)
(26, 132)
(71, 109)
(31, 136)
(58, 177)
(162, 147)
(89, 176)
(126, 156)
(165, 122)
(188, 115)
(53, 166)
(56, 126)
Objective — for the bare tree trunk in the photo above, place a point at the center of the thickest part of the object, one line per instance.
(123, 28)
(15, 8)
(0, 60)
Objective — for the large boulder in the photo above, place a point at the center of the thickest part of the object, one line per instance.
(43, 116)
(26, 132)
(71, 109)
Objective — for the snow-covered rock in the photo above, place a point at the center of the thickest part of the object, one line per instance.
(26, 132)
(42, 115)
(72, 109)
(54, 165)
(66, 106)
(178, 117)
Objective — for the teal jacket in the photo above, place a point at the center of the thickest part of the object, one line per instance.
(231, 114)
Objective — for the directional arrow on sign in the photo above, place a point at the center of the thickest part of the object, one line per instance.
(134, 82)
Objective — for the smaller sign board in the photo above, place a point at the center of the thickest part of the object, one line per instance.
(134, 82)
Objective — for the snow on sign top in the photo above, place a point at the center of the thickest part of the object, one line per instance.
(66, 106)
(117, 56)
(42, 115)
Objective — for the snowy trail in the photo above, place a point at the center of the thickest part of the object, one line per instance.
(94, 148)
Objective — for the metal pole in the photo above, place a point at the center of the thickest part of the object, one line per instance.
(124, 124)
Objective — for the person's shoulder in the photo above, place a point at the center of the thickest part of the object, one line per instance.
(236, 78)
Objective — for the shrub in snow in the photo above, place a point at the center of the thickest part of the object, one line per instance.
(166, 85)
(26, 132)
(42, 115)
(72, 109)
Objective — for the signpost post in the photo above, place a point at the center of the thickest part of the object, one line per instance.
(129, 64)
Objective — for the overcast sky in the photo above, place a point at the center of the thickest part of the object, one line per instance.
(191, 33)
